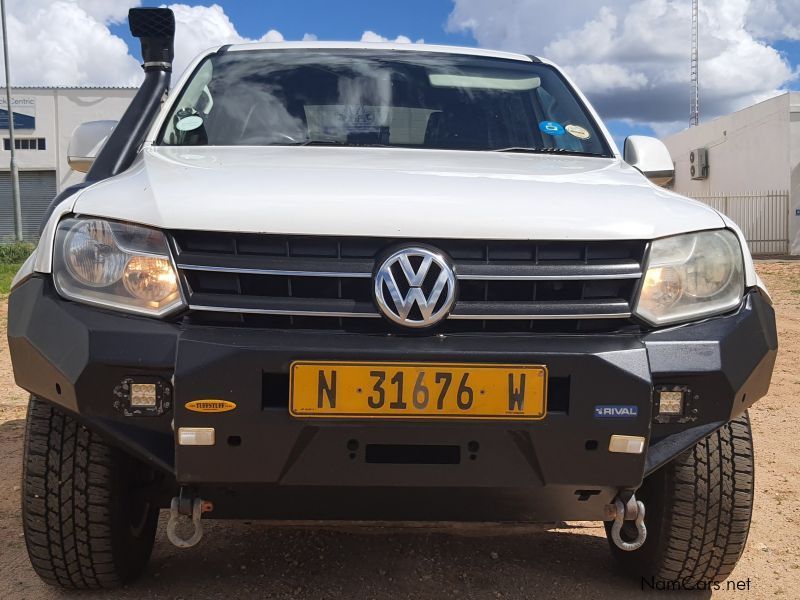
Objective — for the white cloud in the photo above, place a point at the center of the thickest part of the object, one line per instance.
(371, 36)
(108, 10)
(774, 19)
(309, 37)
(68, 42)
(273, 35)
(198, 28)
(604, 78)
(631, 57)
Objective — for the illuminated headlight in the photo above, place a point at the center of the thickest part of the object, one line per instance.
(116, 265)
(691, 276)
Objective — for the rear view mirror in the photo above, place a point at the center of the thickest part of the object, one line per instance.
(650, 156)
(86, 142)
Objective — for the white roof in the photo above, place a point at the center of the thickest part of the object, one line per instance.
(316, 45)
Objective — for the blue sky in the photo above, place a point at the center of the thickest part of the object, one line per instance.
(426, 19)
(791, 50)
(416, 19)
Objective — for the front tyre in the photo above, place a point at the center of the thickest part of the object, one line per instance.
(85, 526)
(698, 510)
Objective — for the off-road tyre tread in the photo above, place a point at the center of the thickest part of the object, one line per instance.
(701, 505)
(71, 517)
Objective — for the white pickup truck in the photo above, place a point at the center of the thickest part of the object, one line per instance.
(379, 281)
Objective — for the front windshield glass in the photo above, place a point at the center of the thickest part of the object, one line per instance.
(380, 98)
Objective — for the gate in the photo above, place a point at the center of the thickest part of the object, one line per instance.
(762, 216)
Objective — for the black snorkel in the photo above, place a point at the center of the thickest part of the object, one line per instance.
(155, 28)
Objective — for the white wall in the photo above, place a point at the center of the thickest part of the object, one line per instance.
(756, 149)
(76, 106)
(45, 127)
(747, 151)
(794, 175)
(58, 112)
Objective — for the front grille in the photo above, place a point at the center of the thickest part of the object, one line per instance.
(320, 282)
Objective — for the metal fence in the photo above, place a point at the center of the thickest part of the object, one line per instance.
(762, 216)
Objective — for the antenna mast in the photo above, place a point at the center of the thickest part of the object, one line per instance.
(694, 102)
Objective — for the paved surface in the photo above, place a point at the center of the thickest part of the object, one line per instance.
(314, 561)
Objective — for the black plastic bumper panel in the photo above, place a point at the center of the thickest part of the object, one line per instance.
(266, 463)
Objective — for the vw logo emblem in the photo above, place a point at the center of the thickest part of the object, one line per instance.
(415, 287)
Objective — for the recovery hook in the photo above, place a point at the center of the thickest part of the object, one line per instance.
(632, 510)
(176, 515)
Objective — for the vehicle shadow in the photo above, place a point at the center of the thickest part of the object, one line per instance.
(260, 559)
(388, 562)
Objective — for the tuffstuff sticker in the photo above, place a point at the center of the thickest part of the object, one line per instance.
(210, 406)
(578, 132)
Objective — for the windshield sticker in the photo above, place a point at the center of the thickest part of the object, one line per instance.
(189, 123)
(578, 132)
(551, 128)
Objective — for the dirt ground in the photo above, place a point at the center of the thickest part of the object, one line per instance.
(267, 560)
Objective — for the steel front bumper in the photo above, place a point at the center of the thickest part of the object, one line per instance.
(266, 463)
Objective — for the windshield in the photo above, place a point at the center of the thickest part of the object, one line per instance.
(380, 98)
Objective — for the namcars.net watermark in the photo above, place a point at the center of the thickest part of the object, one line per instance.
(689, 584)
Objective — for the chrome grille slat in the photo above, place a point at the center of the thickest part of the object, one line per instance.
(278, 265)
(333, 307)
(543, 310)
(279, 272)
(295, 277)
(513, 272)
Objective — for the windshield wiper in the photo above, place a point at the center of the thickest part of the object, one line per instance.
(520, 149)
(333, 143)
(531, 150)
(312, 143)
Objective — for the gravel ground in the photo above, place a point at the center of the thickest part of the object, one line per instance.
(302, 560)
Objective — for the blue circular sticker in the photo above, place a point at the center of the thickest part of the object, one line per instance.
(551, 128)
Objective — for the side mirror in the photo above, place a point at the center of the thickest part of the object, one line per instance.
(86, 142)
(650, 156)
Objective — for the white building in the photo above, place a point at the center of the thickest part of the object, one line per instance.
(44, 118)
(753, 170)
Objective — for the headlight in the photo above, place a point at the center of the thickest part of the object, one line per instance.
(691, 276)
(116, 265)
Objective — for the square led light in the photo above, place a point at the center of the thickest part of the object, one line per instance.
(143, 394)
(670, 403)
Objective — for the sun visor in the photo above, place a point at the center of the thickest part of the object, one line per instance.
(511, 84)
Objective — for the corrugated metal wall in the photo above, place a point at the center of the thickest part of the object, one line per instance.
(763, 217)
(37, 189)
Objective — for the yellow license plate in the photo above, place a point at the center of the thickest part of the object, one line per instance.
(386, 390)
